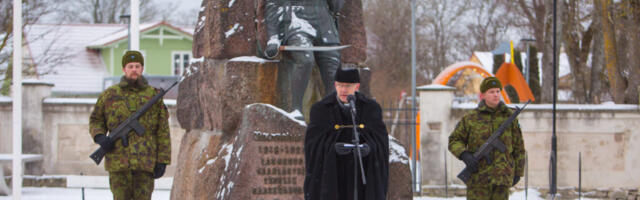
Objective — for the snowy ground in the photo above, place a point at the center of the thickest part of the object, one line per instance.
(532, 195)
(33, 193)
(96, 188)
(37, 193)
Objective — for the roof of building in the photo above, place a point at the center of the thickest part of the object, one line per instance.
(123, 34)
(62, 55)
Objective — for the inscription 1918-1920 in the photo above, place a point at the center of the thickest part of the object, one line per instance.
(281, 167)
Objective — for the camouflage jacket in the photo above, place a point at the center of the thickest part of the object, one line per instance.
(474, 129)
(115, 105)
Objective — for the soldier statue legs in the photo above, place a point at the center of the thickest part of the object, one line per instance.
(487, 192)
(302, 62)
(128, 185)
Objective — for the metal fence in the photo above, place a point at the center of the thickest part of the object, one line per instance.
(397, 116)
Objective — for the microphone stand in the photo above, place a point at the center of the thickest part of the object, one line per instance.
(357, 155)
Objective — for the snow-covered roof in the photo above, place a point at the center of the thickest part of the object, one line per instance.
(435, 87)
(61, 50)
(123, 33)
(486, 60)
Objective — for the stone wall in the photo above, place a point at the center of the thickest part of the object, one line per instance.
(607, 136)
(59, 129)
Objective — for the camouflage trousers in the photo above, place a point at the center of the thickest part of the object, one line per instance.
(488, 192)
(131, 185)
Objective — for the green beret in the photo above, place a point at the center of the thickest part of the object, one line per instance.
(132, 56)
(490, 82)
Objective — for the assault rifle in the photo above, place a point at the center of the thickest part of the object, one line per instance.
(493, 142)
(128, 125)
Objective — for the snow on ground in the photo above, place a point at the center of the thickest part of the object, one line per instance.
(532, 195)
(38, 193)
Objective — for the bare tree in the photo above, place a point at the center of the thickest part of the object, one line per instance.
(489, 26)
(577, 44)
(388, 31)
(597, 76)
(537, 17)
(168, 12)
(628, 17)
(440, 37)
(616, 82)
(33, 10)
(104, 11)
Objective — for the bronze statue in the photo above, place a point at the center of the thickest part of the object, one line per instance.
(304, 23)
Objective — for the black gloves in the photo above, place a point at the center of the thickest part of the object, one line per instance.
(471, 163)
(515, 180)
(271, 51)
(103, 141)
(158, 170)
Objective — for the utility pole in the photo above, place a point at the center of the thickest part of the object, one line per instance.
(134, 26)
(16, 101)
(554, 146)
(527, 68)
(128, 18)
(416, 187)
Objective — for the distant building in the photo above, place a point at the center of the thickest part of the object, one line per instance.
(84, 59)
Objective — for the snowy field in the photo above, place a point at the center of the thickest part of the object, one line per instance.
(34, 193)
(533, 195)
(41, 193)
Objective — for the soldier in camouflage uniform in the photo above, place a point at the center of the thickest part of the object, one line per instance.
(489, 181)
(133, 168)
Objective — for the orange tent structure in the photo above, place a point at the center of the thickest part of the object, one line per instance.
(508, 74)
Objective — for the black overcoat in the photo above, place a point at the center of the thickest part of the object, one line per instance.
(325, 177)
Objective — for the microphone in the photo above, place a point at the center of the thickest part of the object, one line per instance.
(352, 102)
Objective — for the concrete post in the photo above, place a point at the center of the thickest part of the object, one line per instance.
(33, 133)
(435, 111)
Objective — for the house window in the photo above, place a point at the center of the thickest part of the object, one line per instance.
(180, 62)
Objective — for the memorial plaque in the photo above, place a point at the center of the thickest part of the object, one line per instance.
(266, 159)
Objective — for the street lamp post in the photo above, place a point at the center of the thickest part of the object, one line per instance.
(416, 182)
(526, 69)
(128, 18)
(554, 141)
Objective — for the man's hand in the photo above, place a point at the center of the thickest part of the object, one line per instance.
(103, 141)
(272, 50)
(471, 163)
(158, 170)
(515, 180)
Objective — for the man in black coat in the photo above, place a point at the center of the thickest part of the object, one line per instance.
(329, 172)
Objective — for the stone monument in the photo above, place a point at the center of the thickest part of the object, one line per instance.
(240, 143)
